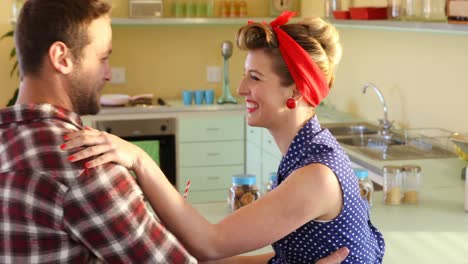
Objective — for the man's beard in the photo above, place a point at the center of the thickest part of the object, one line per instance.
(83, 95)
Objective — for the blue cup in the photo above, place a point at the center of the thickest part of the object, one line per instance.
(209, 96)
(199, 97)
(187, 97)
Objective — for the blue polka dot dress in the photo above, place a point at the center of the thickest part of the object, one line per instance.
(352, 228)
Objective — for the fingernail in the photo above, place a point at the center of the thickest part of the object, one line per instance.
(65, 137)
(87, 128)
(63, 146)
(71, 158)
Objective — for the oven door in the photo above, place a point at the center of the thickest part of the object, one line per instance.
(155, 136)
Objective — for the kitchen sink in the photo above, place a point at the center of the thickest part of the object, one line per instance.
(346, 129)
(366, 139)
(375, 141)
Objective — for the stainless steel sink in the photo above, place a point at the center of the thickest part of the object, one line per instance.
(375, 141)
(346, 129)
(366, 139)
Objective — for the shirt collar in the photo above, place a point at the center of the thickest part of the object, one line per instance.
(25, 113)
(300, 147)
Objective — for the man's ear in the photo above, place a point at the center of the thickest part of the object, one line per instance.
(61, 57)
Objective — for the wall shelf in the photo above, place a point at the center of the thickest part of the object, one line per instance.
(187, 21)
(428, 27)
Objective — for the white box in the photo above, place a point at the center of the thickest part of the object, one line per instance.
(145, 8)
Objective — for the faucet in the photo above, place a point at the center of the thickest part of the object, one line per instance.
(385, 124)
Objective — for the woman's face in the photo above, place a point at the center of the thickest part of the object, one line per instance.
(265, 97)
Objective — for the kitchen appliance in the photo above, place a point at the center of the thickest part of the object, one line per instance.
(145, 8)
(155, 136)
(226, 51)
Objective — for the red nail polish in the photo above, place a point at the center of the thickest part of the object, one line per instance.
(87, 165)
(71, 158)
(65, 137)
(63, 146)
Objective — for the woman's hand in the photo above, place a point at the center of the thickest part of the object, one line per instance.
(106, 147)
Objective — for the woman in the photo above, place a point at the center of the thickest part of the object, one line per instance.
(315, 208)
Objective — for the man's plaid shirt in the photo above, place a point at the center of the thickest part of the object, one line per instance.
(55, 211)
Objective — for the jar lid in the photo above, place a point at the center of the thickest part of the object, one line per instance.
(361, 173)
(273, 176)
(391, 169)
(411, 167)
(244, 179)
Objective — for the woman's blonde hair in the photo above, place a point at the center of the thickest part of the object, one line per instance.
(316, 36)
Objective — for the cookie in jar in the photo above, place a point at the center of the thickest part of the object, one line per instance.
(243, 191)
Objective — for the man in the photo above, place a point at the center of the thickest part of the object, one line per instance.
(55, 211)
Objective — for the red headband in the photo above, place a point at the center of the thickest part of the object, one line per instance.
(306, 73)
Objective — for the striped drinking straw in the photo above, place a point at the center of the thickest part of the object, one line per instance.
(187, 187)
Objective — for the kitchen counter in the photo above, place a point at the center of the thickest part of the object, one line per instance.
(434, 231)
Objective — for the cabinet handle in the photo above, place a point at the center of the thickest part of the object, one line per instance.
(213, 154)
(212, 129)
(213, 178)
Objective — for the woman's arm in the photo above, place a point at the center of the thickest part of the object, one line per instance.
(312, 192)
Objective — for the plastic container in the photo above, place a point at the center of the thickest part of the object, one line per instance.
(272, 182)
(243, 191)
(341, 14)
(411, 183)
(392, 185)
(434, 10)
(368, 13)
(366, 187)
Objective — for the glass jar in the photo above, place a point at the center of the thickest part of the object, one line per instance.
(412, 10)
(434, 10)
(394, 9)
(366, 187)
(411, 183)
(243, 191)
(272, 182)
(392, 183)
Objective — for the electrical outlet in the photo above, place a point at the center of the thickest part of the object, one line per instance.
(213, 74)
(118, 75)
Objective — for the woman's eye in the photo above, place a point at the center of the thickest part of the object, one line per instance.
(253, 77)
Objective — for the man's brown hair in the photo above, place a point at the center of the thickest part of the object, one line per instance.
(43, 22)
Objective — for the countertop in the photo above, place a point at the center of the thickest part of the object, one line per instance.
(433, 231)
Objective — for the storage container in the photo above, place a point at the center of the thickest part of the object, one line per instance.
(392, 184)
(243, 191)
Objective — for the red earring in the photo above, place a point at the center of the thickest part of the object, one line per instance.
(291, 103)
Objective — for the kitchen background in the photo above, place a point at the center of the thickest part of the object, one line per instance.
(422, 75)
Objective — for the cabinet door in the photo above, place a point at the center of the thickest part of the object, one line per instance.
(211, 128)
(208, 184)
(269, 144)
(253, 162)
(198, 154)
(253, 134)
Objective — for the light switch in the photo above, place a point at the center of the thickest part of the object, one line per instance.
(213, 74)
(118, 75)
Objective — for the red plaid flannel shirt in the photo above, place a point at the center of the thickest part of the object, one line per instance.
(54, 211)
